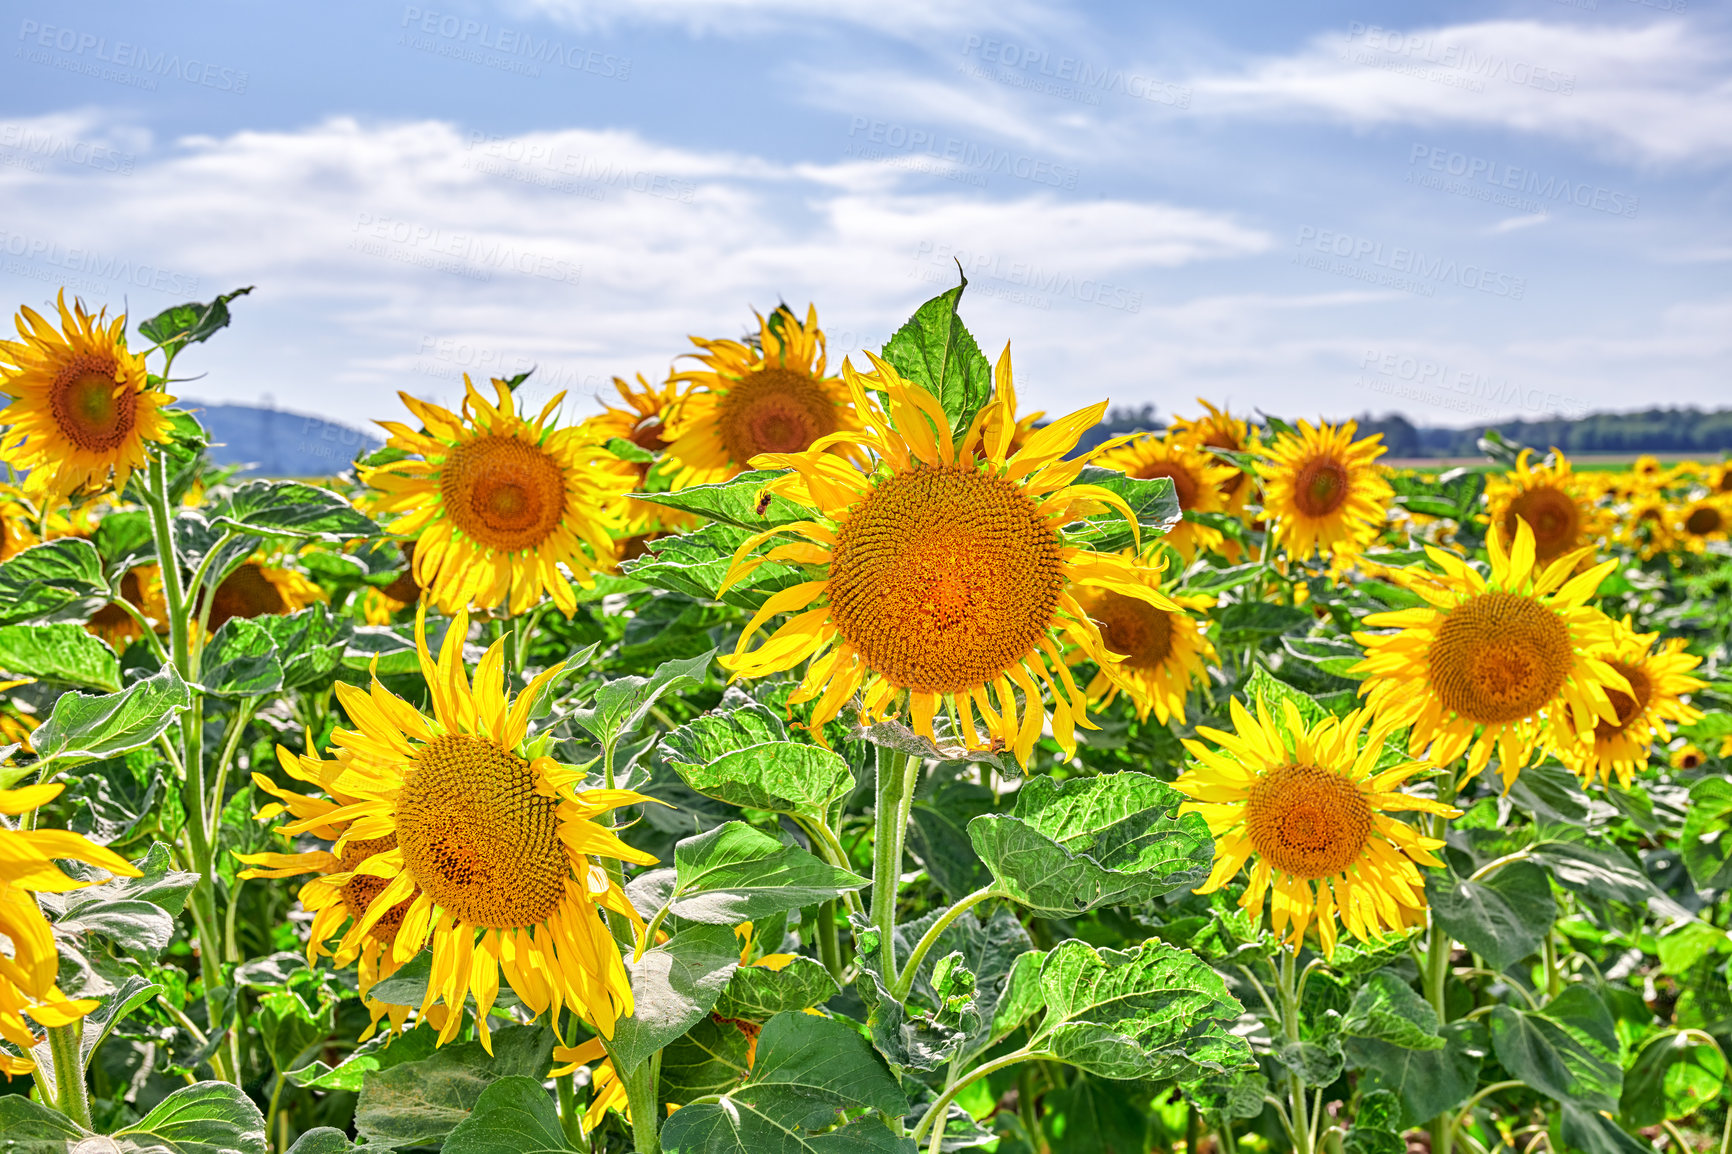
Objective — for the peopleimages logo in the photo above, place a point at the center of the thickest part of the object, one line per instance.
(133, 64)
(1386, 47)
(1411, 263)
(983, 160)
(1510, 185)
(87, 260)
(461, 38)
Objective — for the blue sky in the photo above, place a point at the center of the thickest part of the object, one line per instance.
(1462, 212)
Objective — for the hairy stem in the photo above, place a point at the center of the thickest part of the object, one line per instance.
(896, 774)
(71, 1097)
(900, 985)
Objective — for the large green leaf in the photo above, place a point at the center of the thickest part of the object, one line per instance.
(83, 728)
(1706, 841)
(758, 993)
(28, 1127)
(1092, 1116)
(938, 828)
(419, 1103)
(1427, 1082)
(190, 323)
(62, 652)
(740, 753)
(673, 986)
(621, 704)
(1673, 1076)
(739, 501)
(1071, 846)
(207, 1118)
(695, 564)
(288, 1025)
(378, 1053)
(1153, 1012)
(1503, 918)
(322, 1140)
(309, 644)
(513, 1116)
(936, 351)
(57, 580)
(241, 660)
(734, 873)
(1388, 1010)
(1152, 501)
(710, 1058)
(1583, 1131)
(1569, 1050)
(807, 1068)
(292, 509)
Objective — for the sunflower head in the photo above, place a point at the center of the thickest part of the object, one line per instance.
(1220, 430)
(82, 408)
(255, 589)
(1556, 504)
(769, 396)
(1162, 652)
(1308, 808)
(1324, 490)
(643, 420)
(1703, 520)
(1658, 677)
(1199, 483)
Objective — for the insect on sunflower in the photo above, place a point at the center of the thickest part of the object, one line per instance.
(1308, 807)
(946, 581)
(82, 407)
(489, 841)
(1324, 490)
(745, 401)
(1659, 677)
(496, 503)
(1494, 663)
(1554, 502)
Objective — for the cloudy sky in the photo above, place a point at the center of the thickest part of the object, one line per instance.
(1458, 211)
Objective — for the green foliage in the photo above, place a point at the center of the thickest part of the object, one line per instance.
(936, 351)
(84, 728)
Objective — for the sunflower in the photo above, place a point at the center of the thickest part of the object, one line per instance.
(29, 965)
(945, 578)
(1658, 678)
(82, 407)
(1324, 490)
(1311, 807)
(1555, 503)
(485, 837)
(1163, 651)
(1197, 483)
(497, 503)
(1500, 664)
(141, 586)
(1645, 525)
(18, 522)
(1718, 477)
(745, 401)
(1686, 756)
(644, 423)
(1702, 520)
(1220, 430)
(255, 589)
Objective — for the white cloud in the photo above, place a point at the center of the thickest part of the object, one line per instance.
(1659, 93)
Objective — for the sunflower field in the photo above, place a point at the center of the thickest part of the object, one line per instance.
(812, 759)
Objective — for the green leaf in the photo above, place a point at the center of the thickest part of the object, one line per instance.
(711, 1058)
(757, 993)
(944, 804)
(1387, 1009)
(132, 993)
(1072, 846)
(419, 1103)
(292, 509)
(61, 652)
(1673, 1076)
(1688, 944)
(807, 1069)
(1603, 871)
(1706, 841)
(673, 986)
(1315, 1063)
(309, 644)
(241, 660)
(621, 704)
(1153, 502)
(740, 753)
(734, 874)
(1427, 1082)
(1376, 1125)
(377, 1053)
(1590, 1132)
(31, 1128)
(57, 580)
(734, 502)
(1153, 1012)
(1568, 1051)
(513, 1116)
(936, 351)
(1091, 1116)
(83, 728)
(695, 563)
(322, 1140)
(190, 323)
(207, 1118)
(1503, 918)
(288, 1026)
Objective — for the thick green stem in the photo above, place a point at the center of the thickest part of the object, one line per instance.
(900, 985)
(896, 774)
(640, 1094)
(1288, 992)
(71, 1098)
(1436, 975)
(1554, 975)
(829, 945)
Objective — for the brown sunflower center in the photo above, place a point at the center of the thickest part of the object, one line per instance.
(1554, 517)
(1306, 821)
(1321, 486)
(92, 412)
(246, 592)
(502, 492)
(1627, 707)
(1499, 657)
(1704, 519)
(359, 891)
(1725, 485)
(1185, 484)
(647, 434)
(774, 411)
(944, 578)
(1134, 628)
(477, 837)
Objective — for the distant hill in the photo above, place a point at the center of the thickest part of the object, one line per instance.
(276, 443)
